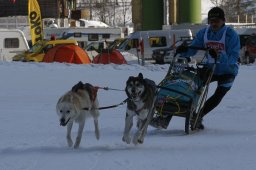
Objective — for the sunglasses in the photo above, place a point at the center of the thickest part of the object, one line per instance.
(215, 20)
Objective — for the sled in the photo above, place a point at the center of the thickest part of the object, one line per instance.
(183, 91)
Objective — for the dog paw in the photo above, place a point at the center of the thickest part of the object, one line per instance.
(137, 138)
(140, 141)
(70, 143)
(126, 139)
(76, 146)
(137, 141)
(97, 135)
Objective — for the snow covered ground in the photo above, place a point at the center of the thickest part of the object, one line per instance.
(31, 138)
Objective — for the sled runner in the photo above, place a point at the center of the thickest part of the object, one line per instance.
(183, 91)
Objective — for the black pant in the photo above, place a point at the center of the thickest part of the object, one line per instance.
(224, 85)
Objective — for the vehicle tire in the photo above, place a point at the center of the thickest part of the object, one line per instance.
(246, 57)
(251, 60)
(159, 62)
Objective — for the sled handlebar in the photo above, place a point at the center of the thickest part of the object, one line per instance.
(198, 48)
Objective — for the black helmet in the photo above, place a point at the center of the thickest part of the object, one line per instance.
(216, 13)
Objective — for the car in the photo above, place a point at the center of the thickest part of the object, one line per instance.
(37, 51)
(165, 55)
(248, 51)
(162, 55)
(94, 48)
(152, 40)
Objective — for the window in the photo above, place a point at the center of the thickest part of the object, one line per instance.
(77, 34)
(11, 43)
(132, 43)
(82, 44)
(157, 41)
(82, 24)
(106, 36)
(46, 48)
(93, 37)
(36, 47)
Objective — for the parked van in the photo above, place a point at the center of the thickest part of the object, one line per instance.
(12, 42)
(152, 40)
(84, 35)
(38, 50)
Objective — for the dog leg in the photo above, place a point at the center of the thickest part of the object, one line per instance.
(139, 135)
(143, 126)
(79, 134)
(136, 136)
(69, 139)
(97, 131)
(95, 113)
(128, 125)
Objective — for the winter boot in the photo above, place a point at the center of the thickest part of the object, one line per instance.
(199, 124)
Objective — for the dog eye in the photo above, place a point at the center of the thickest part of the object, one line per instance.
(61, 111)
(68, 111)
(137, 85)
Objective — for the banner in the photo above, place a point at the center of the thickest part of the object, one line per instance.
(35, 21)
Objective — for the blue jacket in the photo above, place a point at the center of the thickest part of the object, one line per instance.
(227, 63)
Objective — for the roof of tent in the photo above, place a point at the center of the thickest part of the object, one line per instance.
(110, 56)
(68, 54)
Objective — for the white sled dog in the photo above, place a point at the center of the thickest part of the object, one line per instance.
(141, 96)
(71, 107)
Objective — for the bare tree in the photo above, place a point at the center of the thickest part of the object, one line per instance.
(112, 12)
(235, 10)
(126, 6)
(217, 2)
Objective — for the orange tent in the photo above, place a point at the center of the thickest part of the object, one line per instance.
(68, 54)
(110, 56)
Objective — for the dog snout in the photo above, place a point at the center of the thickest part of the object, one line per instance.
(133, 90)
(62, 121)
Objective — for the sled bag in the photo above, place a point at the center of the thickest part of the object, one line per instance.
(178, 93)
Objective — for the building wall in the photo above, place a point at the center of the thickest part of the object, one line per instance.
(147, 14)
(137, 14)
(49, 8)
(153, 14)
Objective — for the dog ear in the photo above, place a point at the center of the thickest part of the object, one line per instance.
(140, 75)
(77, 86)
(129, 79)
(126, 90)
(127, 93)
(127, 82)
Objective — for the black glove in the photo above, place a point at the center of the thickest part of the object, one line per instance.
(181, 49)
(213, 53)
(189, 59)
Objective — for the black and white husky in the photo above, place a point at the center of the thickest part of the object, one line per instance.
(141, 97)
